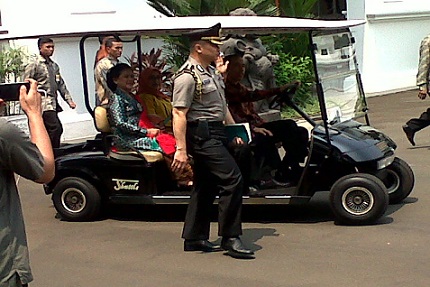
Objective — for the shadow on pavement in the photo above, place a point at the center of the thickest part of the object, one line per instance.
(252, 235)
(392, 208)
(420, 147)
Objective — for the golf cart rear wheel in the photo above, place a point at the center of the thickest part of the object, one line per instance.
(399, 181)
(75, 199)
(358, 199)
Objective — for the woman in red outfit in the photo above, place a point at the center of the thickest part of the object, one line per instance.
(165, 139)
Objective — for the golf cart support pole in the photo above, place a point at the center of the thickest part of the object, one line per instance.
(84, 75)
(319, 88)
(360, 85)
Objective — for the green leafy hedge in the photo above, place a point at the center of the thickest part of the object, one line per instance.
(290, 68)
(11, 63)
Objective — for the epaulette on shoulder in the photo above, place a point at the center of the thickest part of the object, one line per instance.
(190, 69)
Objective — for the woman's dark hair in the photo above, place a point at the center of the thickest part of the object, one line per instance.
(114, 73)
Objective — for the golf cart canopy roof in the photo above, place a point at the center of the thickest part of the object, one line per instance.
(77, 25)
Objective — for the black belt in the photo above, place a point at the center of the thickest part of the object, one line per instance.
(213, 124)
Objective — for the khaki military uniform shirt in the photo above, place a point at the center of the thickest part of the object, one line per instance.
(47, 73)
(103, 92)
(17, 155)
(207, 102)
(423, 75)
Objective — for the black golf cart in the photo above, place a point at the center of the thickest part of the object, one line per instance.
(347, 157)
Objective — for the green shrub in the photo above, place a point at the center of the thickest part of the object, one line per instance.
(290, 68)
(11, 63)
(11, 67)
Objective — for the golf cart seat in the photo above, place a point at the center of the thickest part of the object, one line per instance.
(102, 125)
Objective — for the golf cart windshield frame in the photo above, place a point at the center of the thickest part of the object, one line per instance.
(337, 76)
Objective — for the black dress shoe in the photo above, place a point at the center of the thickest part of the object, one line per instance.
(235, 248)
(409, 134)
(200, 245)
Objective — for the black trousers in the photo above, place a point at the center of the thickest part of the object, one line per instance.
(416, 124)
(215, 173)
(244, 158)
(294, 141)
(53, 127)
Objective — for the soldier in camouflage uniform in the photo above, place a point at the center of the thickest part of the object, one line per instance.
(47, 73)
(423, 77)
(114, 50)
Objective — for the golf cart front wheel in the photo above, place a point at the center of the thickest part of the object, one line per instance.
(75, 199)
(358, 199)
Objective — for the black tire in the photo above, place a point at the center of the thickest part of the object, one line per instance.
(400, 180)
(358, 199)
(75, 199)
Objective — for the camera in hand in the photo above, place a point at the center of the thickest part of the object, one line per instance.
(10, 91)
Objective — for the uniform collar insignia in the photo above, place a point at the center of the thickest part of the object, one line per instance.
(200, 68)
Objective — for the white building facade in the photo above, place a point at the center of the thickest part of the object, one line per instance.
(388, 43)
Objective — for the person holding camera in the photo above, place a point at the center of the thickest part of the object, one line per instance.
(47, 73)
(33, 159)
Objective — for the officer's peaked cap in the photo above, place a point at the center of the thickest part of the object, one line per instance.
(211, 34)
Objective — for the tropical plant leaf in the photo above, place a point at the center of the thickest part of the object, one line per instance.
(11, 62)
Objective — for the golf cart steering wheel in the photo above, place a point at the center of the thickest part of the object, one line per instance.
(284, 97)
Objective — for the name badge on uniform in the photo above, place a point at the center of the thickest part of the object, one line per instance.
(206, 81)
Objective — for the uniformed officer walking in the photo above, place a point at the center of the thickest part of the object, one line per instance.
(199, 113)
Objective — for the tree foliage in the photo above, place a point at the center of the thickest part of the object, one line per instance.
(11, 62)
(11, 67)
(210, 7)
(297, 8)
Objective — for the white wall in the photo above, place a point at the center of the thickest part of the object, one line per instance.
(391, 42)
(355, 11)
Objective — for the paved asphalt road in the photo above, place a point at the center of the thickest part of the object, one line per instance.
(295, 246)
